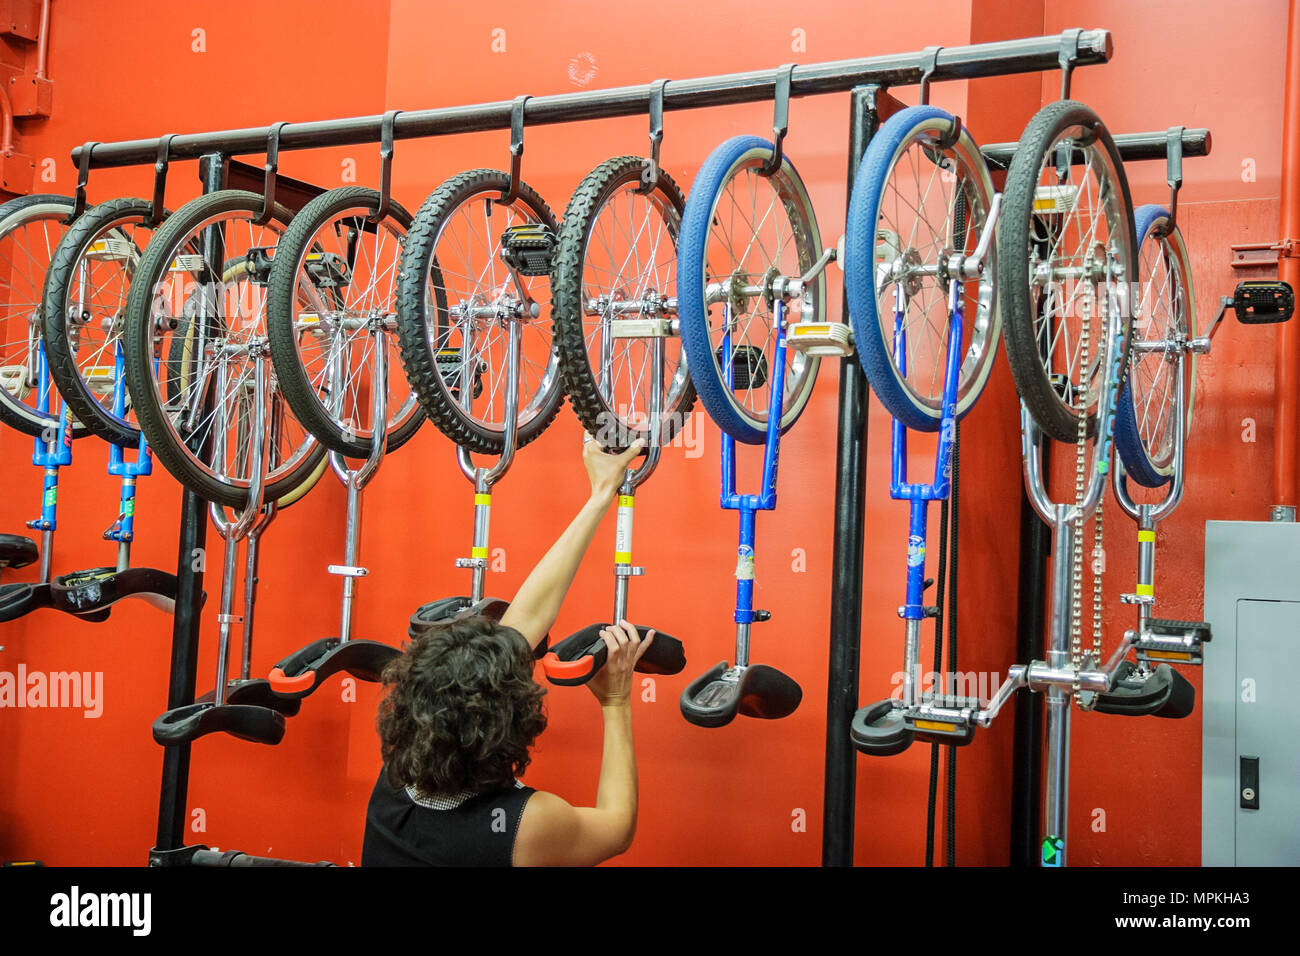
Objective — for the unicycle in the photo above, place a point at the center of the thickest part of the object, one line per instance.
(1152, 426)
(30, 228)
(624, 370)
(83, 311)
(332, 348)
(749, 267)
(202, 388)
(474, 322)
(1067, 256)
(920, 267)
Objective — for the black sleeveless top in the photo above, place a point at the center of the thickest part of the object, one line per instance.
(479, 831)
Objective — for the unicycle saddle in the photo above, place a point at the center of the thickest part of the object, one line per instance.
(183, 725)
(577, 658)
(1138, 692)
(19, 599)
(880, 729)
(1176, 642)
(448, 609)
(255, 692)
(757, 690)
(17, 551)
(100, 588)
(303, 671)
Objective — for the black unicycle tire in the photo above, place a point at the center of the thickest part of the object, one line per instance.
(58, 352)
(566, 301)
(417, 357)
(25, 418)
(1032, 383)
(294, 383)
(137, 343)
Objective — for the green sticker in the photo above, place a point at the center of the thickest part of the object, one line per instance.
(130, 507)
(1053, 851)
(51, 495)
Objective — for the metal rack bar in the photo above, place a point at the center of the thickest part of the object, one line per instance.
(1032, 54)
(1132, 147)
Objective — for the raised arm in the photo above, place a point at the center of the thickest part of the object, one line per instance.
(538, 601)
(552, 832)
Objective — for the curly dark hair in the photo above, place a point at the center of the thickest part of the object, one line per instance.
(462, 710)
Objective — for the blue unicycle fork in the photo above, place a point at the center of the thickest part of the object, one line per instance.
(889, 726)
(123, 529)
(52, 451)
(752, 690)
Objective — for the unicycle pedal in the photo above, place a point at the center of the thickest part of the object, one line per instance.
(527, 248)
(1260, 302)
(1174, 642)
(449, 363)
(821, 338)
(328, 270)
(943, 720)
(748, 367)
(257, 264)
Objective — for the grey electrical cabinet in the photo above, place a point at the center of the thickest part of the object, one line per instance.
(1250, 753)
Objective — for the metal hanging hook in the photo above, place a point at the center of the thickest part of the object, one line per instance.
(157, 210)
(1068, 56)
(650, 177)
(385, 167)
(929, 60)
(1173, 173)
(516, 149)
(271, 168)
(780, 116)
(83, 176)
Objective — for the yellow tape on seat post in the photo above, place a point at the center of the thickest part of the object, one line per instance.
(1146, 536)
(478, 553)
(482, 499)
(1146, 590)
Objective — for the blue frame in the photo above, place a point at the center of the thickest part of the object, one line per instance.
(123, 529)
(50, 455)
(765, 500)
(920, 495)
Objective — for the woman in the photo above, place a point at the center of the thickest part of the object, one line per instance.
(463, 712)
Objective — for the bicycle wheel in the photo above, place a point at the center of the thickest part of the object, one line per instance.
(1145, 417)
(455, 305)
(191, 396)
(1066, 249)
(83, 309)
(614, 262)
(740, 230)
(322, 343)
(30, 229)
(914, 205)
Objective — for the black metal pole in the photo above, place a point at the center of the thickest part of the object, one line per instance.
(1029, 55)
(1031, 625)
(174, 791)
(869, 106)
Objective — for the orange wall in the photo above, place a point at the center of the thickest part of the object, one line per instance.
(84, 791)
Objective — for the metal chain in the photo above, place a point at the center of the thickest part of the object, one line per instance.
(1080, 474)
